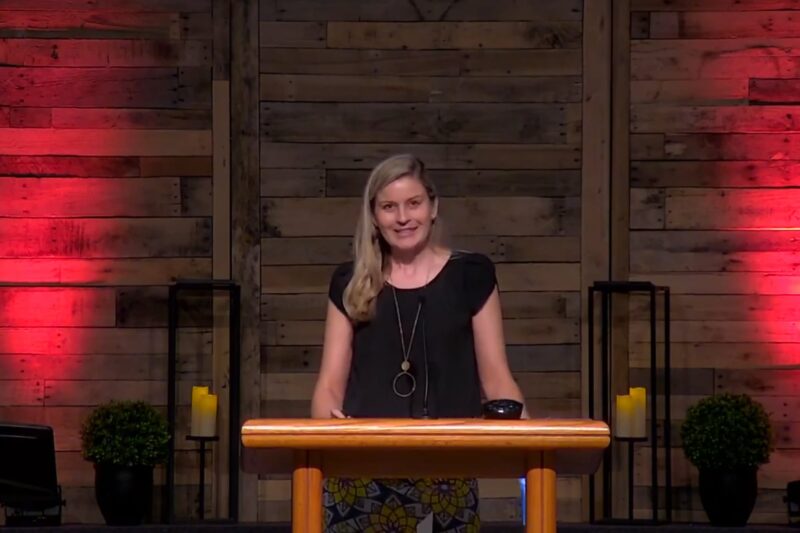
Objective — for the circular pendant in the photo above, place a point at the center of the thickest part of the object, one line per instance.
(404, 366)
(404, 384)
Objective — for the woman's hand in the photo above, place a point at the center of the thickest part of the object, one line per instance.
(337, 413)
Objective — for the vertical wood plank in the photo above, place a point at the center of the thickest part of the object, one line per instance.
(221, 258)
(620, 223)
(245, 221)
(596, 166)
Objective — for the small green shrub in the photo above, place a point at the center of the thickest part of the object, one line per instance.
(125, 433)
(727, 431)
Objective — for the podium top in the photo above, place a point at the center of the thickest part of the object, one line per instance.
(383, 433)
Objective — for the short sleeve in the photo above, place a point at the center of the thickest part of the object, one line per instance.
(339, 280)
(480, 280)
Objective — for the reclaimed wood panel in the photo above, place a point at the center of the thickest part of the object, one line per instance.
(687, 92)
(420, 62)
(343, 88)
(400, 10)
(99, 24)
(104, 142)
(168, 6)
(66, 197)
(734, 25)
(488, 216)
(103, 52)
(453, 35)
(104, 238)
(727, 6)
(713, 119)
(517, 123)
(713, 174)
(151, 271)
(544, 183)
(161, 119)
(91, 87)
(452, 156)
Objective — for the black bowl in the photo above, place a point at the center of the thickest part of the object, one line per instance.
(502, 409)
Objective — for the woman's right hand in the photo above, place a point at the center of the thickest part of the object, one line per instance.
(337, 413)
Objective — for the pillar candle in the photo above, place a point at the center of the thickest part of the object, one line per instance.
(639, 424)
(623, 425)
(197, 393)
(208, 416)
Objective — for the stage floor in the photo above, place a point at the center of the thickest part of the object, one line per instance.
(493, 528)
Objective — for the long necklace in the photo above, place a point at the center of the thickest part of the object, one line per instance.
(405, 366)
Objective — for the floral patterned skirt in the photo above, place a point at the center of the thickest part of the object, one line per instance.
(399, 505)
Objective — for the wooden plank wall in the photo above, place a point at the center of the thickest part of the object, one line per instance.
(488, 94)
(105, 180)
(714, 171)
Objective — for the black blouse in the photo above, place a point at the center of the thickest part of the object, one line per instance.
(444, 333)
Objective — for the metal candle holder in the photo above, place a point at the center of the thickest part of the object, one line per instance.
(603, 411)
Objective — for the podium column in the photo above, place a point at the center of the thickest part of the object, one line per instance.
(540, 512)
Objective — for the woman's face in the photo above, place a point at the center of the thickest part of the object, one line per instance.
(404, 214)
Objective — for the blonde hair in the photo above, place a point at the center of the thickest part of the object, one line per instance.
(370, 250)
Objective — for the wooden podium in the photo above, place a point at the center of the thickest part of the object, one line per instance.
(452, 448)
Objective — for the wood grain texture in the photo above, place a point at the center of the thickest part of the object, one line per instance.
(103, 142)
(353, 88)
(400, 10)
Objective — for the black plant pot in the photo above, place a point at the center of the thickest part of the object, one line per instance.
(124, 494)
(728, 497)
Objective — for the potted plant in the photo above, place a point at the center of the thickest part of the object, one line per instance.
(727, 437)
(124, 440)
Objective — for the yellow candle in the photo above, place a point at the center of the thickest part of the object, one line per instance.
(623, 425)
(197, 393)
(208, 416)
(639, 424)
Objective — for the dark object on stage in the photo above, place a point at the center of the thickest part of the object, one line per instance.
(792, 500)
(29, 487)
(728, 496)
(502, 409)
(124, 493)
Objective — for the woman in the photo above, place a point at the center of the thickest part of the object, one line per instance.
(413, 329)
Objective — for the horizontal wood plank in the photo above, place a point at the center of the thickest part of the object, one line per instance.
(737, 331)
(66, 166)
(101, 142)
(400, 10)
(727, 355)
(736, 24)
(725, 282)
(164, 119)
(292, 34)
(725, 242)
(103, 341)
(733, 209)
(388, 88)
(713, 119)
(104, 53)
(93, 87)
(146, 271)
(420, 62)
(291, 182)
(56, 307)
(454, 35)
(705, 261)
(487, 216)
(104, 238)
(545, 183)
(167, 6)
(517, 123)
(713, 174)
(450, 156)
(99, 24)
(66, 197)
(711, 5)
(688, 92)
